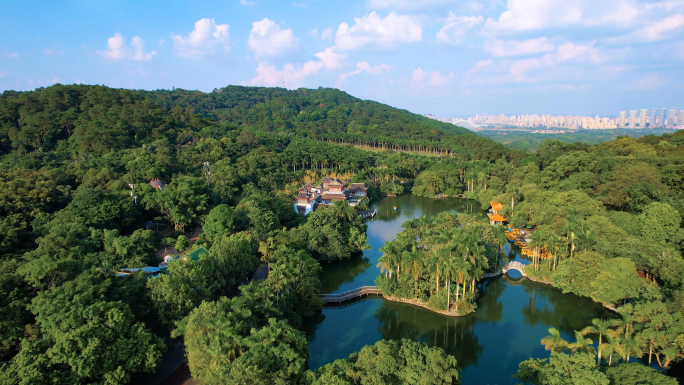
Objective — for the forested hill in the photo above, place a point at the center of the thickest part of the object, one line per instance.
(99, 119)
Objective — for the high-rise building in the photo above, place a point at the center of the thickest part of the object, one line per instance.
(661, 117)
(632, 118)
(680, 118)
(642, 118)
(671, 117)
(622, 119)
(652, 118)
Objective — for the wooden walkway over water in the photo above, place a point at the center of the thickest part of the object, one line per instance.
(351, 294)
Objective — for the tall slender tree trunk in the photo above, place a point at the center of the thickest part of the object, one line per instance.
(650, 352)
(448, 296)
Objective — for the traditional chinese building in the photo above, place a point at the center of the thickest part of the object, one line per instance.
(333, 191)
(330, 190)
(308, 197)
(494, 217)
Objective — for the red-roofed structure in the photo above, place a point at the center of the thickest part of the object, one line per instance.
(330, 190)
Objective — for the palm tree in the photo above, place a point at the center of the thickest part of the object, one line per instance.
(278, 279)
(415, 260)
(267, 248)
(631, 346)
(586, 237)
(581, 343)
(571, 239)
(554, 342)
(106, 269)
(612, 345)
(450, 266)
(438, 243)
(627, 322)
(344, 211)
(601, 327)
(536, 243)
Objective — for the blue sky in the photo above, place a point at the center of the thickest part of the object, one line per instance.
(450, 58)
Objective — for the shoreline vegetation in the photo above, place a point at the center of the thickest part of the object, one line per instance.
(419, 303)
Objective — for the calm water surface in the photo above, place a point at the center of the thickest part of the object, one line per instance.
(512, 314)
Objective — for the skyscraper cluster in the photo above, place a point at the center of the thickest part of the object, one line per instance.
(643, 118)
(653, 118)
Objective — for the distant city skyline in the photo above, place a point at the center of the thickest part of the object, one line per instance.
(642, 118)
(446, 57)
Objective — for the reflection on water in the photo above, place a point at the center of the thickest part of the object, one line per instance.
(512, 314)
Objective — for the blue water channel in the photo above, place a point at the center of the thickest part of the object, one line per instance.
(513, 315)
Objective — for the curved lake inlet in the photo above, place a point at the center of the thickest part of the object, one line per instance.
(513, 313)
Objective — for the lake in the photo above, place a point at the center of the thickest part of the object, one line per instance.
(512, 316)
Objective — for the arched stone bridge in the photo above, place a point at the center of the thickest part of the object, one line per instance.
(513, 265)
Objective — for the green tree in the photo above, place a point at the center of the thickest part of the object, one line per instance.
(181, 201)
(602, 328)
(219, 222)
(554, 342)
(391, 362)
(617, 280)
(637, 374)
(562, 369)
(182, 243)
(225, 346)
(659, 222)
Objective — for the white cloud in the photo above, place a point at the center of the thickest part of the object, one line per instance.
(51, 52)
(423, 79)
(406, 5)
(364, 67)
(293, 75)
(208, 38)
(11, 55)
(375, 31)
(314, 33)
(525, 15)
(528, 15)
(138, 45)
(268, 39)
(138, 71)
(300, 5)
(118, 50)
(161, 42)
(327, 34)
(567, 60)
(246, 3)
(3, 73)
(455, 28)
(42, 82)
(649, 82)
(670, 27)
(330, 59)
(499, 48)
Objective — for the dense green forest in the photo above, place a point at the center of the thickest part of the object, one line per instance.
(77, 205)
(606, 223)
(526, 139)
